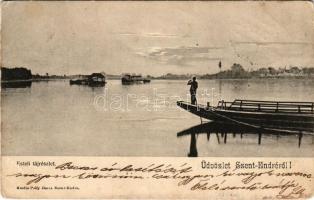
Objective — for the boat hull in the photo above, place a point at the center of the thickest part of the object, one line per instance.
(88, 83)
(285, 121)
(130, 81)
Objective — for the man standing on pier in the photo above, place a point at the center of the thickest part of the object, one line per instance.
(193, 88)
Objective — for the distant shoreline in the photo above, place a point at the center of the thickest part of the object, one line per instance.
(236, 72)
(30, 80)
(251, 78)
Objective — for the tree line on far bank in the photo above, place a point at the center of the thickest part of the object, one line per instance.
(22, 73)
(238, 72)
(235, 72)
(18, 73)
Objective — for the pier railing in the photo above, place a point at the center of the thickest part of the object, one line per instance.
(268, 106)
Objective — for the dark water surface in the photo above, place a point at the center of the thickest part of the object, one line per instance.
(54, 118)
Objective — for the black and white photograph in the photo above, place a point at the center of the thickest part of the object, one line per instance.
(157, 79)
(157, 99)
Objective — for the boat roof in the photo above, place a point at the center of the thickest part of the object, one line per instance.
(129, 74)
(102, 75)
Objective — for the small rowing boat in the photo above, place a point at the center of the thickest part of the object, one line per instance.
(276, 115)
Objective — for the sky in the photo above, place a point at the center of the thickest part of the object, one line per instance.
(66, 37)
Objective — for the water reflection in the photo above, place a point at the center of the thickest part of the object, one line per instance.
(58, 108)
(193, 148)
(222, 131)
(16, 84)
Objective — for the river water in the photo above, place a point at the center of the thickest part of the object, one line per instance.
(54, 118)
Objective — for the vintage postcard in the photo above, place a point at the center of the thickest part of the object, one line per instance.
(157, 99)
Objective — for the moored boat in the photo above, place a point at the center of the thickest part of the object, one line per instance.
(93, 80)
(128, 79)
(259, 114)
